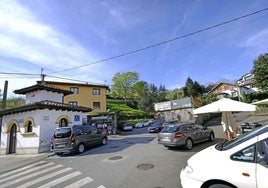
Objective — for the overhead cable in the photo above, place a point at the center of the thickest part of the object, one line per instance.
(164, 42)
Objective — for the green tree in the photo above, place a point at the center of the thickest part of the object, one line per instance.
(189, 86)
(260, 71)
(123, 84)
(162, 92)
(145, 95)
(207, 99)
(193, 88)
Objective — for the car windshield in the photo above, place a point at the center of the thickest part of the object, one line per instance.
(238, 140)
(170, 129)
(62, 133)
(156, 125)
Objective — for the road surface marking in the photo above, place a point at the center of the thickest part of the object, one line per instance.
(21, 169)
(30, 176)
(26, 172)
(60, 180)
(80, 183)
(38, 180)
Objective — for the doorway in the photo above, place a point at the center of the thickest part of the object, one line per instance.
(13, 139)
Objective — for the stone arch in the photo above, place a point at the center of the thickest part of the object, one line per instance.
(27, 120)
(11, 123)
(67, 118)
(28, 124)
(12, 129)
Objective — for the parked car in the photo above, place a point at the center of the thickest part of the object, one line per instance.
(76, 138)
(151, 121)
(127, 127)
(248, 127)
(241, 162)
(142, 123)
(155, 128)
(184, 134)
(146, 123)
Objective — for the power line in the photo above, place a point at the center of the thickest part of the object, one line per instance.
(20, 74)
(164, 42)
(45, 75)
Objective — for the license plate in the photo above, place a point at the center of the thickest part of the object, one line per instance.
(165, 139)
(61, 146)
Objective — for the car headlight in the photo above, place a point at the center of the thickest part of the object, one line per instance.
(187, 169)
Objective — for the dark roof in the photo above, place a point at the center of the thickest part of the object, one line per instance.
(73, 84)
(220, 83)
(51, 105)
(42, 87)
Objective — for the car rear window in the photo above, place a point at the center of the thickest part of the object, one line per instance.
(62, 133)
(170, 129)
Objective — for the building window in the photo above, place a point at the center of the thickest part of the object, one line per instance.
(96, 105)
(74, 90)
(63, 123)
(29, 127)
(96, 91)
(73, 103)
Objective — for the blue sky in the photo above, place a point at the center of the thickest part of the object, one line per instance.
(56, 35)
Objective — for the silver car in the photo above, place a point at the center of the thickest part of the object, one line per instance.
(184, 134)
(76, 138)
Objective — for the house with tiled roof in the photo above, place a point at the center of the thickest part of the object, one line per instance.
(28, 129)
(223, 89)
(87, 94)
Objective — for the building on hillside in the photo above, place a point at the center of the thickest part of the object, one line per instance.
(180, 110)
(223, 89)
(246, 84)
(28, 129)
(89, 95)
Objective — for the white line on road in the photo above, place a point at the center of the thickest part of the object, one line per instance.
(80, 183)
(25, 172)
(38, 180)
(30, 176)
(60, 180)
(21, 169)
(101, 186)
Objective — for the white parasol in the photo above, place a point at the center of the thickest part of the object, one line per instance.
(226, 106)
(264, 101)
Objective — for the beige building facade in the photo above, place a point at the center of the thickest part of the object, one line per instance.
(89, 95)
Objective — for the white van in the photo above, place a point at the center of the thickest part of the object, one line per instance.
(242, 162)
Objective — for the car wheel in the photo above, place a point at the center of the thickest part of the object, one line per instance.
(81, 148)
(59, 153)
(188, 144)
(211, 137)
(104, 141)
(220, 186)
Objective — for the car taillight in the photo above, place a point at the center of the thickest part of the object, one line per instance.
(73, 138)
(178, 135)
(52, 140)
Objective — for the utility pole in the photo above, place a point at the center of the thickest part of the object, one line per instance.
(4, 101)
(42, 76)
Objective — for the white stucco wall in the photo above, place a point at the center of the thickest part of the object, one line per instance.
(45, 121)
(38, 96)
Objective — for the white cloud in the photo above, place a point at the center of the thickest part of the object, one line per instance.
(257, 39)
(23, 37)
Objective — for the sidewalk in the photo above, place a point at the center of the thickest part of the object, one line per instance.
(13, 161)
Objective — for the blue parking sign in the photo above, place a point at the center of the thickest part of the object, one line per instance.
(76, 118)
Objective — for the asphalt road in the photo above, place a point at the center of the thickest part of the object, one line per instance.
(132, 159)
